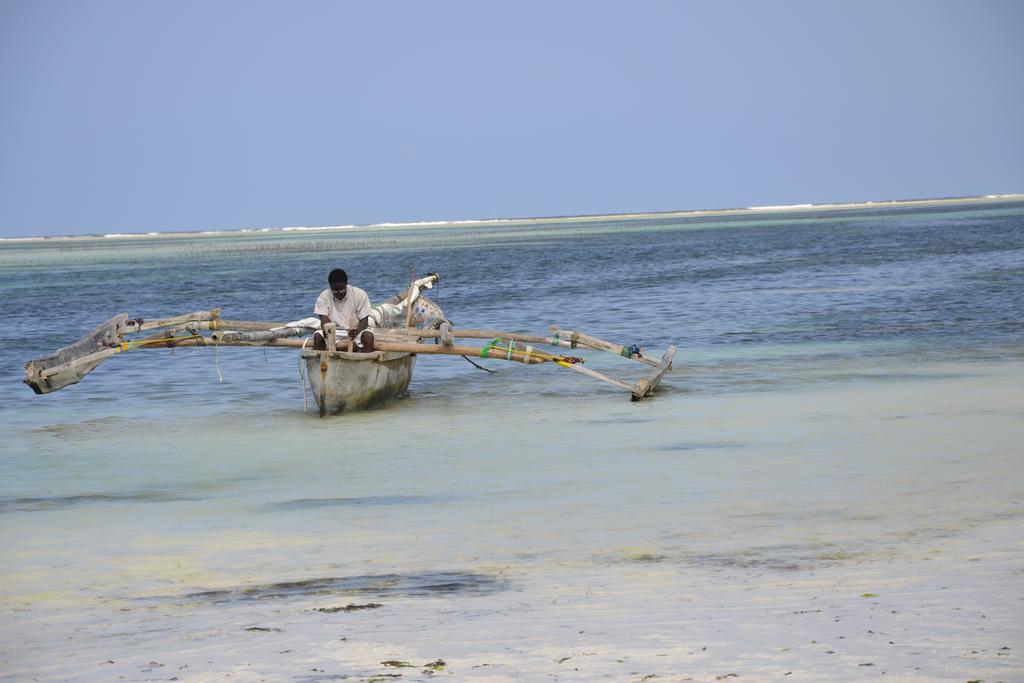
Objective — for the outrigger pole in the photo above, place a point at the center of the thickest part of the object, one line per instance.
(72, 363)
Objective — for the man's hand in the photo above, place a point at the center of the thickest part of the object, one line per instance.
(352, 334)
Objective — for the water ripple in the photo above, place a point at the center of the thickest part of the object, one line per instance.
(312, 503)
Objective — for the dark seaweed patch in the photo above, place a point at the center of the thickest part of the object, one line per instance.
(701, 446)
(351, 607)
(793, 557)
(645, 557)
(60, 502)
(615, 420)
(79, 430)
(421, 584)
(311, 503)
(321, 675)
(750, 560)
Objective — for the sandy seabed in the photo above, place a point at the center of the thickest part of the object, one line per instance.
(906, 561)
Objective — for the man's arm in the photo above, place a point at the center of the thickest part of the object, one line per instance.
(322, 308)
(362, 309)
(363, 323)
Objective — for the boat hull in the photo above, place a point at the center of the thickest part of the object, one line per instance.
(343, 382)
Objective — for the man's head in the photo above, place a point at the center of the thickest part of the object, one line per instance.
(338, 280)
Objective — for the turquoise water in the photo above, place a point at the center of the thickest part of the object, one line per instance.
(846, 390)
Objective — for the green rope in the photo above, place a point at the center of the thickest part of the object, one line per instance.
(485, 350)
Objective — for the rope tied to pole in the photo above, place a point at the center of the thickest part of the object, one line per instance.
(630, 350)
(486, 348)
(500, 344)
(216, 361)
(478, 366)
(131, 345)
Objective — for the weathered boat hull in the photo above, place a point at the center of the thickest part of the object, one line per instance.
(343, 382)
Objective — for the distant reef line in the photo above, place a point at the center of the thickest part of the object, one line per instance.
(456, 223)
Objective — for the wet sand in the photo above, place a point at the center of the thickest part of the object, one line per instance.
(948, 612)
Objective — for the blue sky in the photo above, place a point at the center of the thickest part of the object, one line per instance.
(137, 116)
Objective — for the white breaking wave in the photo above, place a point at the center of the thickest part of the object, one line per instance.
(420, 224)
(312, 228)
(780, 207)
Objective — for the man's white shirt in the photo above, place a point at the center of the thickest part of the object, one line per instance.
(347, 312)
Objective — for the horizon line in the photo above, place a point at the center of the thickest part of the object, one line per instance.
(483, 221)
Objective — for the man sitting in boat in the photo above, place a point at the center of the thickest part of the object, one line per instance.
(346, 306)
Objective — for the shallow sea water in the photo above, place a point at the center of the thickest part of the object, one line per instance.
(847, 397)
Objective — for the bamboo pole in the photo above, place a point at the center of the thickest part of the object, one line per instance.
(219, 325)
(563, 341)
(239, 325)
(493, 353)
(489, 334)
(604, 378)
(135, 326)
(330, 341)
(497, 353)
(588, 341)
(259, 335)
(409, 300)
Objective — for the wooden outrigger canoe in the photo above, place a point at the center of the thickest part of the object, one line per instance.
(341, 380)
